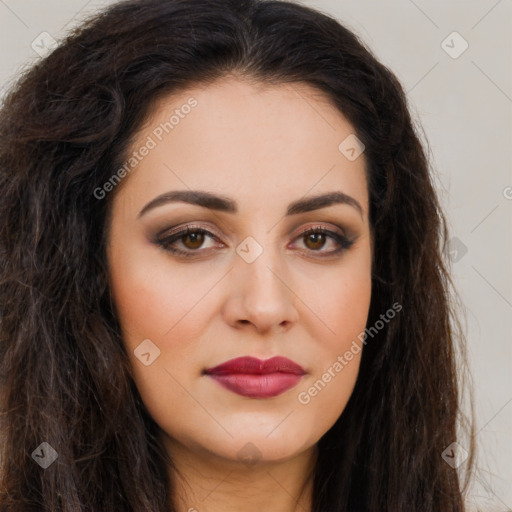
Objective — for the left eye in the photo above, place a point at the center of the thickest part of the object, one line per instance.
(192, 238)
(315, 238)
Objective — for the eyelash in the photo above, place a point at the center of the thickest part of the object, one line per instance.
(165, 242)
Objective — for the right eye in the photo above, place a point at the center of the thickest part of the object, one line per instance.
(191, 238)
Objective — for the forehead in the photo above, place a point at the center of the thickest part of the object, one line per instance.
(247, 138)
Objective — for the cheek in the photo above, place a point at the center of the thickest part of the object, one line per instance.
(167, 307)
(322, 400)
(339, 305)
(152, 301)
(342, 306)
(149, 307)
(346, 305)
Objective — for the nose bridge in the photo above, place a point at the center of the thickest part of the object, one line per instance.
(257, 265)
(260, 289)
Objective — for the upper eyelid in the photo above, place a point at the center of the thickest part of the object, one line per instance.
(176, 230)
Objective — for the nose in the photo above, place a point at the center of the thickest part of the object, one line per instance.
(261, 296)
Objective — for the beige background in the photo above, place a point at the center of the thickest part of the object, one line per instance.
(464, 105)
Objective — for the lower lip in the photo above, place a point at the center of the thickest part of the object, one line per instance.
(257, 386)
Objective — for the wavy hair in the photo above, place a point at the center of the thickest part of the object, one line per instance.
(65, 378)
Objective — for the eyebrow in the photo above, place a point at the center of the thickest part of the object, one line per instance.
(225, 204)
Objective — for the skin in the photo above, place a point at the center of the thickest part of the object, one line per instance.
(263, 147)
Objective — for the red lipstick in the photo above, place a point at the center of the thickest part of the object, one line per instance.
(254, 378)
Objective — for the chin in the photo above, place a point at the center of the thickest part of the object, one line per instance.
(254, 446)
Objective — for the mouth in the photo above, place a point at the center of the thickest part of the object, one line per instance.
(254, 378)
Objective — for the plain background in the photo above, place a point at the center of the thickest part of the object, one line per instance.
(464, 107)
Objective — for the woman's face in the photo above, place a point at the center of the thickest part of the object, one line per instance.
(245, 281)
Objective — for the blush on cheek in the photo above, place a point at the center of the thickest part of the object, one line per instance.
(345, 312)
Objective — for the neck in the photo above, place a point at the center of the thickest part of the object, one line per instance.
(205, 482)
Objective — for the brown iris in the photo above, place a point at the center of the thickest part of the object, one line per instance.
(197, 239)
(318, 240)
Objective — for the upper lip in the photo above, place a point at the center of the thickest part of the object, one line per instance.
(255, 366)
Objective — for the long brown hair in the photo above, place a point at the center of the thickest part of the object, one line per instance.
(66, 127)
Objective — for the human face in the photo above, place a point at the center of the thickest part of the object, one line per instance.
(253, 285)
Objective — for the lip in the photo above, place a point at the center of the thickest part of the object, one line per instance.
(254, 378)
